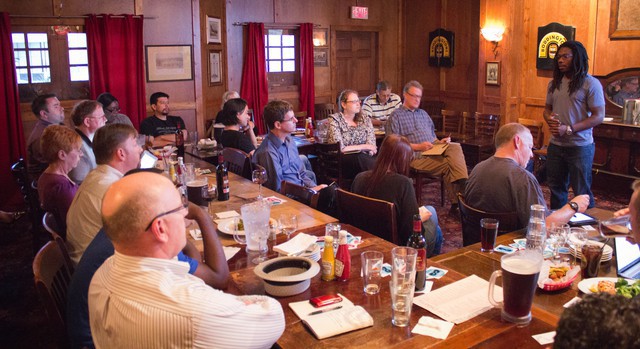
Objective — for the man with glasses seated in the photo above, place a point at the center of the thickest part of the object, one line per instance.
(143, 297)
(278, 153)
(117, 152)
(414, 123)
(111, 108)
(88, 117)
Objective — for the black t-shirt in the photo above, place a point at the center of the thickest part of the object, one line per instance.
(152, 126)
(236, 139)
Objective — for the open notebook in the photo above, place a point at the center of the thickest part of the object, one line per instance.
(437, 149)
(347, 318)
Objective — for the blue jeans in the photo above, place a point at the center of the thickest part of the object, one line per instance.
(569, 165)
(432, 233)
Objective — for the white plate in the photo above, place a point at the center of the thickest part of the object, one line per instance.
(585, 284)
(226, 227)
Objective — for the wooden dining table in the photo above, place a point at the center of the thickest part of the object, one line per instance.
(483, 331)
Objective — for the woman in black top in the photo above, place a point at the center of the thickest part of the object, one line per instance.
(388, 181)
(238, 128)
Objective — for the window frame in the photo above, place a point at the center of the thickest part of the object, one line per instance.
(283, 81)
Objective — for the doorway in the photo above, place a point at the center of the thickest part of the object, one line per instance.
(356, 61)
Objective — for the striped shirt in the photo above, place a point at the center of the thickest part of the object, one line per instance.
(374, 109)
(137, 302)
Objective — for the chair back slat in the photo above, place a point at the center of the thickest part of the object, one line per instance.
(487, 125)
(470, 218)
(329, 162)
(322, 111)
(535, 127)
(238, 162)
(299, 193)
(375, 216)
(451, 121)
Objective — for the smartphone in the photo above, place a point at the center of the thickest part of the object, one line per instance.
(327, 299)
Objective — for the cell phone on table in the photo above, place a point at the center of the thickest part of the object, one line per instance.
(324, 300)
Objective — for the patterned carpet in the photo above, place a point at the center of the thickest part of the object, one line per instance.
(452, 229)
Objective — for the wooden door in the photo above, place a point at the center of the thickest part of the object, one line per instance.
(356, 65)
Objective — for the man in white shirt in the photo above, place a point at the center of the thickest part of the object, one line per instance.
(117, 152)
(143, 297)
(381, 104)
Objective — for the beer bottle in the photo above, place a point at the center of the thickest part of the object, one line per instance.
(417, 241)
(222, 178)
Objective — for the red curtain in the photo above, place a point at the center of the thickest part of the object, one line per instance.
(254, 87)
(12, 140)
(116, 62)
(307, 88)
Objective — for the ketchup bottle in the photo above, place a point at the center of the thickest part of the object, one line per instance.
(343, 258)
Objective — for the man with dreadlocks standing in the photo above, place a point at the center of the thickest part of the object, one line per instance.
(574, 106)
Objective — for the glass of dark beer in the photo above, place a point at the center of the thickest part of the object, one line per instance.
(488, 234)
(590, 261)
(519, 272)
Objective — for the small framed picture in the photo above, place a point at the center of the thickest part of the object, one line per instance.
(320, 37)
(168, 63)
(493, 73)
(215, 67)
(321, 57)
(214, 30)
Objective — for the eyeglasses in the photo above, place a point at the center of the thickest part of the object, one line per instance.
(354, 101)
(287, 120)
(114, 110)
(565, 56)
(185, 204)
(414, 96)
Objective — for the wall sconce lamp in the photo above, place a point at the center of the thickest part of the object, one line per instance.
(493, 34)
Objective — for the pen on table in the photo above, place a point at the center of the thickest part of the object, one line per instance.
(323, 311)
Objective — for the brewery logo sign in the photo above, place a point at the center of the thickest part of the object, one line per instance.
(441, 48)
(550, 37)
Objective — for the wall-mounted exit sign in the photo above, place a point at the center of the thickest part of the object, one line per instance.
(359, 12)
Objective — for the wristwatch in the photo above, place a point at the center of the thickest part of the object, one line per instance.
(569, 130)
(574, 206)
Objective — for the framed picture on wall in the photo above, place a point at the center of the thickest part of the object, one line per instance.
(215, 67)
(168, 63)
(214, 30)
(320, 37)
(321, 57)
(493, 73)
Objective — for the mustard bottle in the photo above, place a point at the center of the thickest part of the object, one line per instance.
(328, 260)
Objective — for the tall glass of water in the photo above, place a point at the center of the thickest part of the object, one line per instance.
(537, 231)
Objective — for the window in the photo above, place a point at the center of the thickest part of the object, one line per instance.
(46, 62)
(78, 58)
(281, 58)
(31, 51)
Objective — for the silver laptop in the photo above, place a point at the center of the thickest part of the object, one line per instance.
(627, 258)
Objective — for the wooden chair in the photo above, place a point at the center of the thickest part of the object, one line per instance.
(539, 149)
(29, 190)
(50, 225)
(299, 193)
(238, 162)
(479, 144)
(421, 178)
(375, 216)
(468, 128)
(434, 108)
(329, 160)
(470, 218)
(322, 111)
(52, 277)
(451, 124)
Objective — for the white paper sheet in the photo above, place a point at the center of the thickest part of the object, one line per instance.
(435, 328)
(459, 301)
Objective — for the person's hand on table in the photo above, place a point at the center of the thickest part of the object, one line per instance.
(371, 149)
(424, 146)
(622, 212)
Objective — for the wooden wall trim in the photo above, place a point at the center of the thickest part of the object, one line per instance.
(198, 66)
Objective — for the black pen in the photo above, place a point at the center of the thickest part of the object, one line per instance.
(323, 311)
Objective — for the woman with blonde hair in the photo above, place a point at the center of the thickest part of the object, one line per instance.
(354, 131)
(388, 181)
(61, 149)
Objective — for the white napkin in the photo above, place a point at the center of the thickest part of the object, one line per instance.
(227, 214)
(196, 234)
(296, 245)
(230, 251)
(435, 328)
(545, 338)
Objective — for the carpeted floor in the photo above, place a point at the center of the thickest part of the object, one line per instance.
(23, 323)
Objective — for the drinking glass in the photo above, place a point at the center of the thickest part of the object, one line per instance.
(558, 235)
(259, 176)
(333, 229)
(288, 223)
(577, 238)
(208, 194)
(616, 226)
(261, 238)
(401, 302)
(488, 233)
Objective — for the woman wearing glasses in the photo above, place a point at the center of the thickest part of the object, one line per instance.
(354, 131)
(111, 108)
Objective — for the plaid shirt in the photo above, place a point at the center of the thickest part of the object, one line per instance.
(416, 125)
